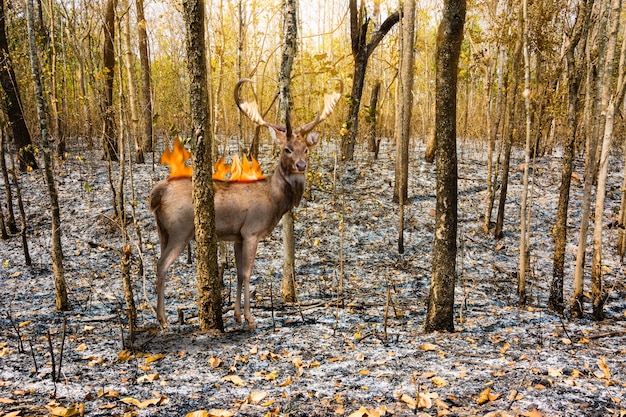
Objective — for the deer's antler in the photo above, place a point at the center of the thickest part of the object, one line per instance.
(251, 108)
(330, 101)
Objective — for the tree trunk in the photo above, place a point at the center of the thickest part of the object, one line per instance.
(508, 136)
(576, 42)
(109, 138)
(58, 131)
(12, 104)
(597, 290)
(440, 314)
(290, 37)
(209, 286)
(372, 120)
(403, 129)
(361, 51)
(129, 63)
(57, 252)
(146, 82)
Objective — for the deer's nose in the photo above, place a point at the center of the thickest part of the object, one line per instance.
(301, 165)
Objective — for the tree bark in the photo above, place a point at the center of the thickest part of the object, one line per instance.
(576, 42)
(57, 251)
(209, 286)
(290, 49)
(109, 138)
(13, 108)
(403, 130)
(440, 314)
(372, 120)
(361, 51)
(146, 83)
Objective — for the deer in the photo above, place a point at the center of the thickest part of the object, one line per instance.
(245, 212)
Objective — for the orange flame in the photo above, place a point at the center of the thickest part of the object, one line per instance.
(176, 160)
(246, 171)
(238, 171)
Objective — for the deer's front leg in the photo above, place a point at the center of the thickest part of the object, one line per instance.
(168, 255)
(245, 252)
(240, 279)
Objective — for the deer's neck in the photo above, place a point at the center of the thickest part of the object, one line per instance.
(287, 189)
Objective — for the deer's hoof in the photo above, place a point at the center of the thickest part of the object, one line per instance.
(251, 324)
(238, 318)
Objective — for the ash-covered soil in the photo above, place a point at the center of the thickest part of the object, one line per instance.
(353, 345)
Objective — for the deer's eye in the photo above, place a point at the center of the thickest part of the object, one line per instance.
(288, 151)
(306, 150)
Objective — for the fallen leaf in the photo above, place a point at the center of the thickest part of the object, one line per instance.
(533, 413)
(199, 413)
(142, 404)
(124, 355)
(505, 347)
(604, 367)
(17, 413)
(220, 413)
(144, 379)
(424, 401)
(24, 323)
(361, 412)
(81, 347)
(6, 401)
(484, 396)
(154, 358)
(555, 372)
(215, 362)
(286, 382)
(257, 396)
(427, 347)
(408, 400)
(64, 412)
(235, 380)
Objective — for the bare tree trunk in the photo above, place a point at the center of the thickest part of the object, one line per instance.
(209, 286)
(290, 49)
(57, 251)
(11, 224)
(109, 137)
(404, 111)
(574, 62)
(524, 238)
(129, 63)
(146, 83)
(361, 51)
(58, 130)
(597, 290)
(372, 121)
(440, 314)
(21, 136)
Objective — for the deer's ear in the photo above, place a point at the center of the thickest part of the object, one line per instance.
(278, 136)
(312, 138)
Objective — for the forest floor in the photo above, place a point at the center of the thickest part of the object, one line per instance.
(358, 352)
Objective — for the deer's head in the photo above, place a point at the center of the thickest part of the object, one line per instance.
(295, 143)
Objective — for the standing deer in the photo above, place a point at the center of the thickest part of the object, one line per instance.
(245, 213)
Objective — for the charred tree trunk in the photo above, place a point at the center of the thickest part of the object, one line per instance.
(108, 136)
(21, 136)
(361, 51)
(440, 314)
(372, 121)
(209, 286)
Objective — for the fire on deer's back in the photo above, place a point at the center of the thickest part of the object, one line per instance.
(245, 212)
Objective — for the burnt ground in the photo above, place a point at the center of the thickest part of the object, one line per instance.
(352, 346)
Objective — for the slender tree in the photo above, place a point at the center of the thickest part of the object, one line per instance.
(108, 133)
(146, 83)
(11, 100)
(574, 56)
(362, 48)
(403, 123)
(57, 251)
(290, 44)
(440, 314)
(209, 286)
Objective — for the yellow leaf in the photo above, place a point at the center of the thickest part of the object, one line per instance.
(297, 362)
(427, 347)
(154, 358)
(144, 379)
(533, 413)
(484, 396)
(439, 381)
(286, 382)
(215, 362)
(505, 347)
(361, 412)
(268, 403)
(364, 371)
(331, 360)
(15, 274)
(235, 380)
(17, 413)
(220, 413)
(408, 400)
(141, 404)
(24, 323)
(64, 412)
(606, 372)
(254, 350)
(199, 413)
(555, 372)
(257, 396)
(424, 401)
(272, 375)
(124, 355)
(81, 347)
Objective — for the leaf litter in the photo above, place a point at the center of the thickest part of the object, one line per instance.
(358, 352)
